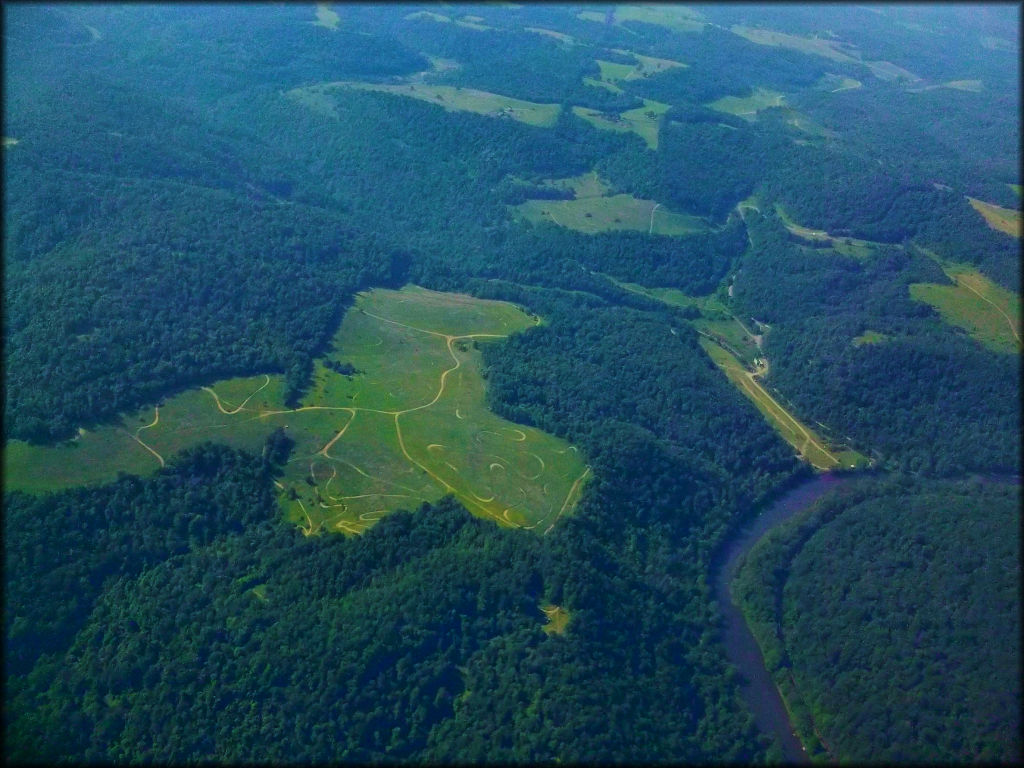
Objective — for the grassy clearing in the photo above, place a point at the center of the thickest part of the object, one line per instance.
(428, 16)
(602, 84)
(829, 49)
(473, 22)
(643, 121)
(9, 142)
(870, 337)
(456, 99)
(808, 445)
(988, 312)
(674, 17)
(1002, 219)
(1014, 187)
(603, 214)
(614, 72)
(747, 107)
(409, 426)
(594, 210)
(733, 348)
(847, 246)
(560, 36)
(557, 619)
(325, 17)
(964, 308)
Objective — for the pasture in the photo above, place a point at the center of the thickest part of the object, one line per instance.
(455, 99)
(675, 17)
(325, 17)
(643, 121)
(816, 46)
(614, 72)
(1004, 220)
(604, 214)
(557, 619)
(408, 425)
(747, 107)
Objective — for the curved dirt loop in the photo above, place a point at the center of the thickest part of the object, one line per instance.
(135, 437)
(568, 498)
(240, 407)
(650, 230)
(522, 435)
(324, 451)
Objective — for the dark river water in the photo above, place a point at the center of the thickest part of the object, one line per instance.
(757, 688)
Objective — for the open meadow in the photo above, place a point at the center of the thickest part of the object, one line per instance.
(643, 121)
(1002, 219)
(406, 422)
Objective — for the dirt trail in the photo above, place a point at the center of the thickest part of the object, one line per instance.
(1009, 320)
(240, 407)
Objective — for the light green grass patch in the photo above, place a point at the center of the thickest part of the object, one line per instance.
(602, 84)
(409, 426)
(643, 121)
(584, 185)
(989, 313)
(747, 107)
(428, 16)
(325, 17)
(675, 17)
(456, 99)
(847, 246)
(557, 619)
(560, 36)
(1015, 188)
(592, 213)
(9, 142)
(816, 46)
(870, 337)
(808, 445)
(612, 71)
(1004, 220)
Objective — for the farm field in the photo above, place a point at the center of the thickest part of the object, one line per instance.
(409, 425)
(1002, 219)
(456, 99)
(643, 121)
(560, 36)
(604, 214)
(812, 45)
(612, 72)
(676, 18)
(747, 107)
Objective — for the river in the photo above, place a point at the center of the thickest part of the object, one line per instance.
(758, 689)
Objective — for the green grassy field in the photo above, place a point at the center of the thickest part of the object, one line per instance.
(451, 98)
(410, 425)
(675, 17)
(603, 214)
(325, 17)
(560, 36)
(557, 619)
(811, 45)
(988, 312)
(1002, 219)
(643, 121)
(848, 246)
(747, 107)
(807, 443)
(870, 337)
(1014, 187)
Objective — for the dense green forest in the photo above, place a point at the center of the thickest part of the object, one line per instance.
(874, 612)
(187, 199)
